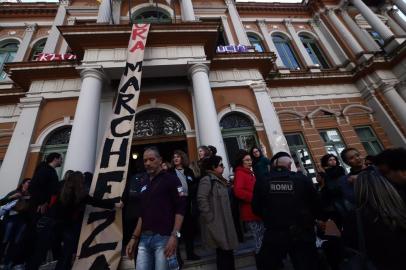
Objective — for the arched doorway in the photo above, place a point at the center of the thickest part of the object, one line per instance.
(58, 142)
(161, 128)
(238, 133)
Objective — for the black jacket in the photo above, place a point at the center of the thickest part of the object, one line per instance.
(44, 184)
(132, 196)
(285, 200)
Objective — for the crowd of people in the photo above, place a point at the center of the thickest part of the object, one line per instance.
(354, 217)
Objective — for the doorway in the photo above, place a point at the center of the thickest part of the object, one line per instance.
(166, 148)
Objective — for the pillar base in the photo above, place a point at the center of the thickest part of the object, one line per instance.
(364, 57)
(284, 70)
(393, 44)
(350, 66)
(315, 69)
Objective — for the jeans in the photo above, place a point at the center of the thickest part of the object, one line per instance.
(15, 227)
(151, 252)
(45, 228)
(70, 237)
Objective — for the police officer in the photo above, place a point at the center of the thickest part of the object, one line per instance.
(288, 204)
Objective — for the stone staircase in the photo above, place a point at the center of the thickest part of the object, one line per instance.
(244, 259)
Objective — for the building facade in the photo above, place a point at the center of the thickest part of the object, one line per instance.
(309, 78)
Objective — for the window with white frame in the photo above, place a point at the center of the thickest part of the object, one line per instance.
(333, 142)
(8, 51)
(314, 51)
(376, 37)
(301, 154)
(38, 48)
(256, 42)
(369, 140)
(285, 51)
(151, 15)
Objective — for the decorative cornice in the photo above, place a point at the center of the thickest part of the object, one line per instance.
(30, 102)
(30, 27)
(28, 9)
(272, 7)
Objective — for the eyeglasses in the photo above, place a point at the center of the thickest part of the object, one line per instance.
(221, 165)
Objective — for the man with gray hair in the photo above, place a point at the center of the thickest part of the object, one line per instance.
(162, 209)
(288, 204)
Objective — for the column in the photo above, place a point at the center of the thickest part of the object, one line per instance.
(269, 42)
(323, 39)
(394, 133)
(64, 46)
(298, 43)
(364, 38)
(81, 154)
(188, 14)
(206, 113)
(401, 87)
(12, 169)
(53, 36)
(394, 26)
(227, 30)
(270, 119)
(373, 20)
(332, 41)
(396, 16)
(238, 26)
(104, 15)
(116, 11)
(25, 44)
(401, 4)
(345, 33)
(395, 102)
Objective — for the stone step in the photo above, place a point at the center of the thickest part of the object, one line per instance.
(244, 260)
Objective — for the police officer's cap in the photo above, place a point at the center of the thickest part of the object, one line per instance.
(279, 155)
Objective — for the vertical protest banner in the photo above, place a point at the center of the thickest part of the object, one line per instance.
(101, 234)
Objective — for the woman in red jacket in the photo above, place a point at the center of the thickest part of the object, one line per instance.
(244, 181)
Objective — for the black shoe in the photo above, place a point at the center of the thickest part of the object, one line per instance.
(193, 257)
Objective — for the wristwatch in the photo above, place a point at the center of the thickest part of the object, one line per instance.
(176, 234)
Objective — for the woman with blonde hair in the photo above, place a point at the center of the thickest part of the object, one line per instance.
(382, 213)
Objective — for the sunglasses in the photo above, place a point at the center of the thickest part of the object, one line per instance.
(221, 165)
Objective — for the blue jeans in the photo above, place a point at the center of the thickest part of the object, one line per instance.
(151, 252)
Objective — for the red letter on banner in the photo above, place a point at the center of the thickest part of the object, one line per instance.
(138, 45)
(137, 32)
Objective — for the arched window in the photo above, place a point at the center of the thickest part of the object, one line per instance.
(38, 48)
(58, 142)
(151, 15)
(285, 51)
(8, 51)
(256, 42)
(314, 51)
(158, 122)
(238, 133)
(376, 37)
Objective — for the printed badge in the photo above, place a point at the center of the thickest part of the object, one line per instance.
(281, 187)
(181, 191)
(144, 188)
